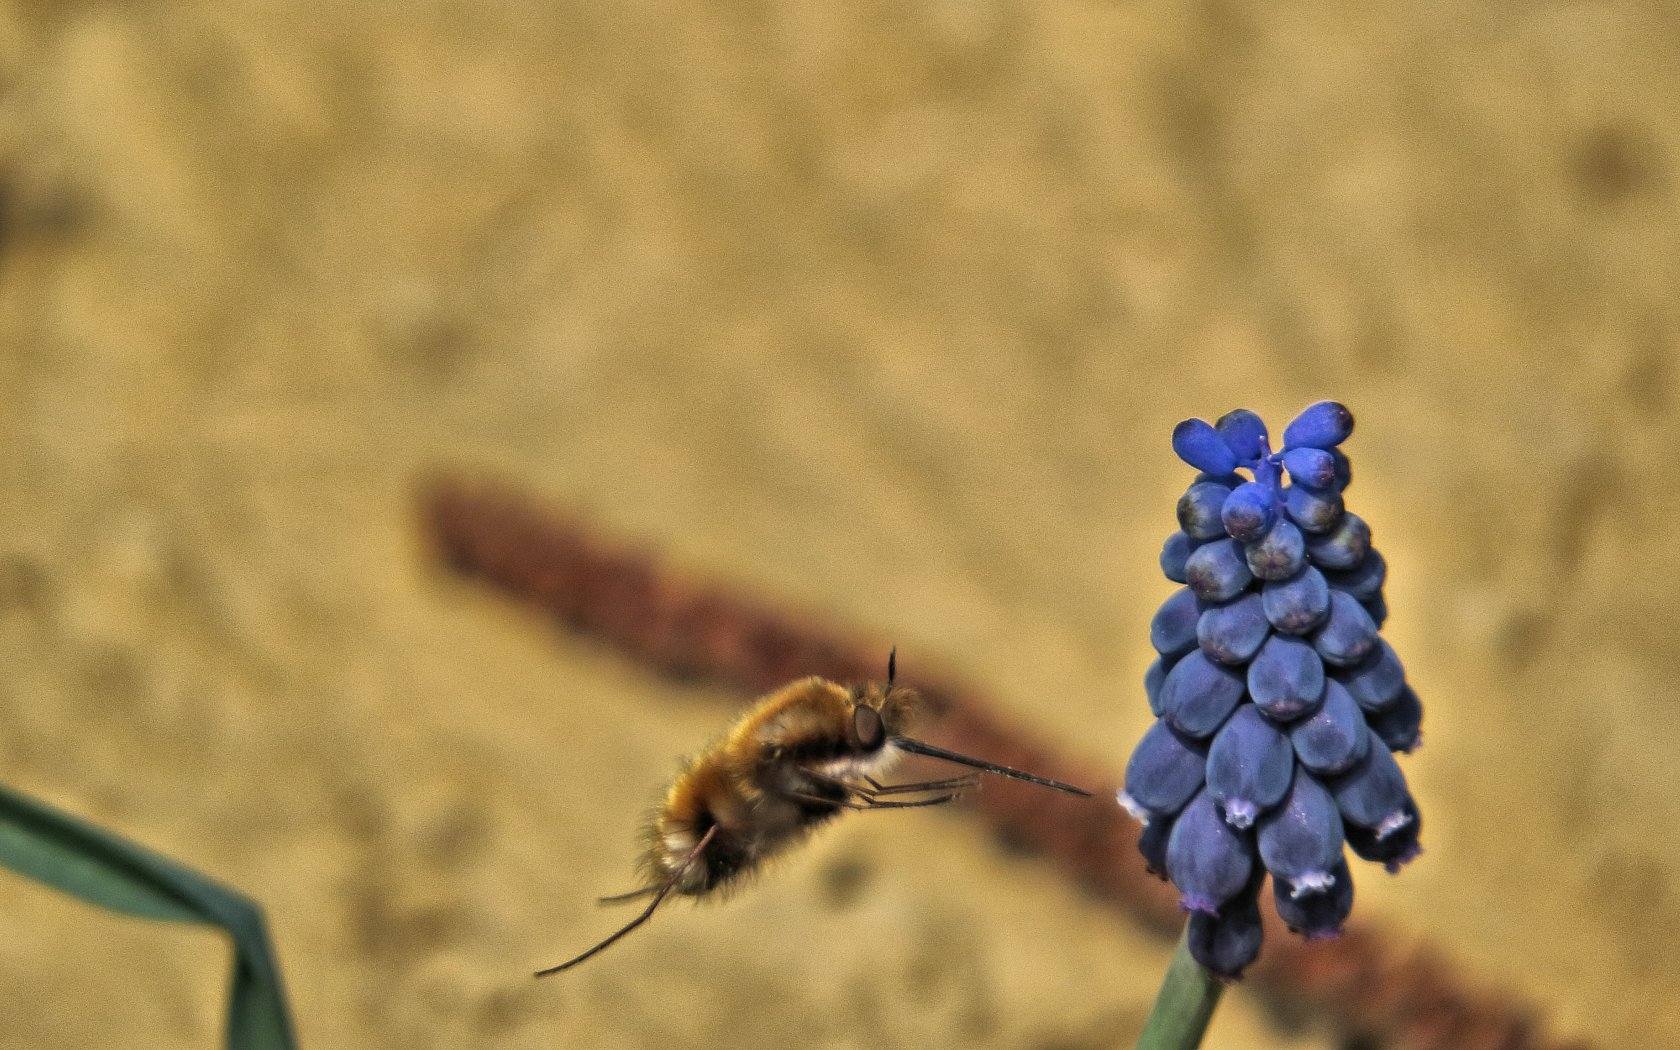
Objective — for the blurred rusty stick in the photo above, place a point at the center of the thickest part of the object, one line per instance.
(1369, 989)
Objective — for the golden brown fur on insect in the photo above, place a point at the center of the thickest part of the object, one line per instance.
(771, 780)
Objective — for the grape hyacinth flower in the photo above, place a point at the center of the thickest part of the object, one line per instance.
(1278, 705)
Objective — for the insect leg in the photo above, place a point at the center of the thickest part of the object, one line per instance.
(835, 782)
(806, 796)
(659, 897)
(925, 785)
(868, 802)
(938, 800)
(620, 898)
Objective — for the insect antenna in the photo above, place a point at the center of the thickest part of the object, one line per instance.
(919, 748)
(659, 897)
(620, 898)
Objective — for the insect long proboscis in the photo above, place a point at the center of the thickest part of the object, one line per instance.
(919, 748)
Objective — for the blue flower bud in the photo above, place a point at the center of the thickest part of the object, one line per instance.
(1245, 433)
(1342, 547)
(1209, 861)
(1394, 850)
(1278, 554)
(1173, 630)
(1348, 635)
(1344, 469)
(1311, 467)
(1152, 681)
(1312, 510)
(1316, 915)
(1200, 445)
(1286, 678)
(1230, 481)
(1228, 942)
(1322, 425)
(1399, 725)
(1217, 571)
(1378, 608)
(1152, 843)
(1248, 767)
(1199, 507)
(1301, 840)
(1174, 553)
(1364, 581)
(1199, 695)
(1165, 770)
(1373, 794)
(1334, 739)
(1231, 633)
(1298, 604)
(1375, 681)
(1249, 511)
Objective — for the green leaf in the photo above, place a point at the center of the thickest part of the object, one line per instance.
(88, 862)
(1184, 1006)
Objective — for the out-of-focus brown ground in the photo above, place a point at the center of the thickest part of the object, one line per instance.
(885, 310)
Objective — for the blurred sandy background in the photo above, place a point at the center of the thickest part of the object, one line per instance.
(884, 310)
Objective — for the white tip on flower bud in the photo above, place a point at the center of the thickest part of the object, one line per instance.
(1131, 806)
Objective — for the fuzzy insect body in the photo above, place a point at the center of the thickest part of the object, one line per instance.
(797, 759)
(788, 766)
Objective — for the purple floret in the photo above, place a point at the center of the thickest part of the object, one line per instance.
(1342, 547)
(1314, 511)
(1153, 679)
(1226, 943)
(1301, 840)
(1394, 850)
(1233, 632)
(1373, 794)
(1200, 445)
(1344, 469)
(1208, 860)
(1311, 467)
(1298, 604)
(1364, 581)
(1286, 678)
(1245, 434)
(1348, 634)
(1199, 509)
(1322, 425)
(1316, 916)
(1164, 772)
(1335, 737)
(1217, 571)
(1399, 725)
(1199, 695)
(1174, 553)
(1152, 843)
(1173, 630)
(1377, 680)
(1249, 511)
(1279, 554)
(1248, 767)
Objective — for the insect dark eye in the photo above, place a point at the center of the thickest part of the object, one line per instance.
(867, 728)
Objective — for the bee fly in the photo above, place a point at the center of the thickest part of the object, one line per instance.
(794, 761)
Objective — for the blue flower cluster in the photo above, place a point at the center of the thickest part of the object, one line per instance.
(1277, 704)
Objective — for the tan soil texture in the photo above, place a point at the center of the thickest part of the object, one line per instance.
(882, 309)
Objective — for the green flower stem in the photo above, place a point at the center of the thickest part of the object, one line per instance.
(1184, 1005)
